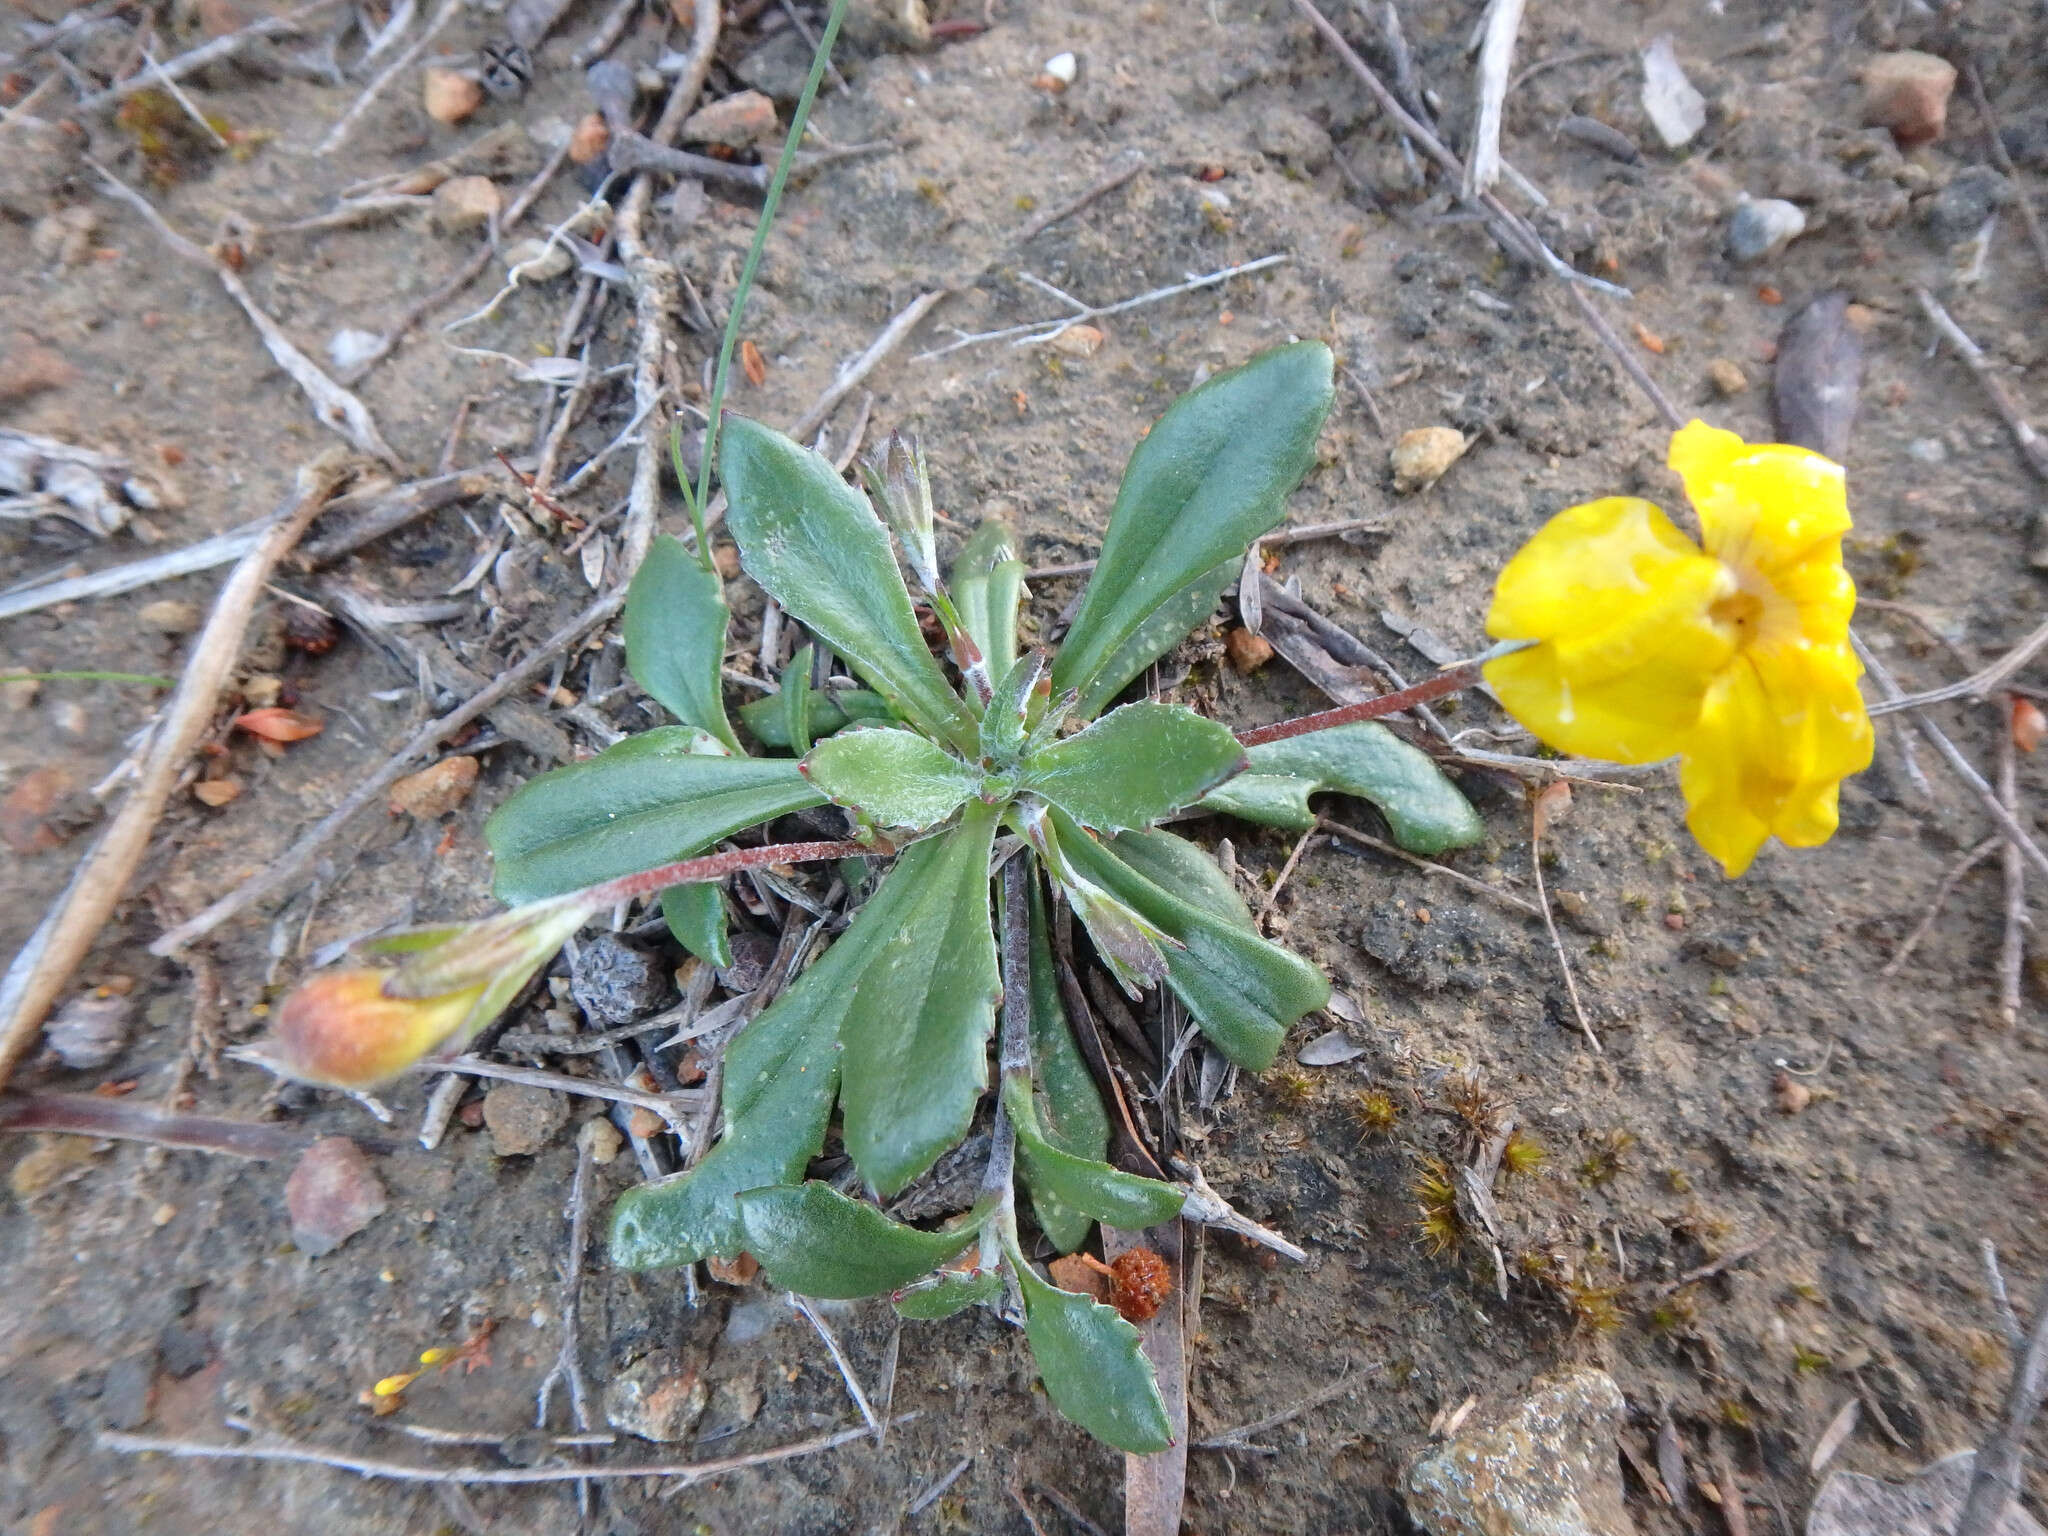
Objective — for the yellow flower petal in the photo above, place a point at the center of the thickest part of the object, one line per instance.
(1767, 507)
(1621, 604)
(1777, 734)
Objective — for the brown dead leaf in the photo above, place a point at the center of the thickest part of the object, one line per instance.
(24, 823)
(753, 364)
(217, 792)
(2028, 724)
(279, 724)
(1246, 651)
(436, 789)
(1078, 341)
(739, 1271)
(1553, 803)
(1076, 1272)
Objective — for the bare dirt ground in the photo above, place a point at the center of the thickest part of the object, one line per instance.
(1766, 1090)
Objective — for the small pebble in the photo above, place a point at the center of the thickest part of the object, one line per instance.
(163, 1215)
(91, 1030)
(451, 96)
(1959, 210)
(1420, 458)
(1727, 377)
(737, 122)
(463, 204)
(1245, 651)
(1078, 341)
(1927, 450)
(129, 1394)
(589, 139)
(1762, 227)
(523, 1119)
(348, 347)
(435, 790)
(332, 1195)
(1908, 93)
(168, 616)
(1676, 110)
(601, 1138)
(1791, 1095)
(66, 236)
(617, 983)
(1063, 67)
(656, 1398)
(1293, 138)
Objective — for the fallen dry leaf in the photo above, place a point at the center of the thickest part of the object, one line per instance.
(1246, 651)
(1078, 341)
(279, 724)
(217, 792)
(2028, 724)
(436, 789)
(754, 365)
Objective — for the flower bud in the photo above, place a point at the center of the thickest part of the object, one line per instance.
(898, 480)
(340, 1030)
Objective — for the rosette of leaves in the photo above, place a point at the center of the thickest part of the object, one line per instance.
(893, 1025)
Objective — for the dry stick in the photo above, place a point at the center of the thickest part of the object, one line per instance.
(463, 276)
(2012, 950)
(687, 1473)
(333, 406)
(450, 9)
(1044, 221)
(853, 1388)
(1949, 882)
(46, 963)
(1496, 53)
(90, 1114)
(607, 35)
(1286, 872)
(2001, 1303)
(1979, 684)
(287, 865)
(1571, 985)
(1996, 1482)
(2037, 236)
(199, 58)
(667, 1105)
(1367, 840)
(2032, 447)
(1240, 1439)
(568, 1366)
(655, 296)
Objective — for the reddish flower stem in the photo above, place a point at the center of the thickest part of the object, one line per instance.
(1456, 680)
(716, 866)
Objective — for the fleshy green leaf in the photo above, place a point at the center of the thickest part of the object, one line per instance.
(1166, 626)
(815, 1241)
(895, 778)
(1425, 810)
(675, 636)
(947, 1292)
(831, 710)
(1070, 1110)
(796, 698)
(816, 545)
(696, 916)
(1134, 766)
(1002, 720)
(1244, 991)
(916, 1036)
(780, 1076)
(987, 585)
(1212, 475)
(1095, 1189)
(1092, 1367)
(652, 798)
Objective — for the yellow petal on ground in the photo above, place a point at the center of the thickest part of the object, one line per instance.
(1777, 734)
(1770, 507)
(1621, 604)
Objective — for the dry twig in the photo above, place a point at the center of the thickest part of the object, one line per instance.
(853, 1388)
(46, 963)
(1539, 814)
(2031, 445)
(1496, 53)
(2036, 236)
(449, 10)
(102, 1118)
(193, 60)
(1995, 1483)
(2012, 953)
(1493, 892)
(1949, 882)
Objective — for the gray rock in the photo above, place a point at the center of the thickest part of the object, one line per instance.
(655, 1398)
(1958, 210)
(522, 1119)
(41, 159)
(332, 1195)
(1928, 1504)
(1292, 137)
(184, 1350)
(90, 1031)
(778, 67)
(616, 983)
(129, 1394)
(1547, 1467)
(1762, 227)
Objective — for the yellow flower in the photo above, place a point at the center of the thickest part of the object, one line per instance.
(1734, 657)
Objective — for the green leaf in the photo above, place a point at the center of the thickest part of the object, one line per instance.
(816, 545)
(1244, 991)
(675, 636)
(1070, 1110)
(947, 1292)
(1092, 1367)
(696, 916)
(895, 778)
(831, 710)
(796, 698)
(916, 1036)
(1427, 812)
(1003, 719)
(1134, 766)
(1095, 1189)
(815, 1241)
(987, 583)
(652, 798)
(780, 1077)
(1167, 625)
(1212, 475)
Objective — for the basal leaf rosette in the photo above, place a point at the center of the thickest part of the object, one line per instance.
(1732, 654)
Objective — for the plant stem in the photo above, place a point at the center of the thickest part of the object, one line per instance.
(745, 285)
(713, 866)
(1456, 680)
(148, 679)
